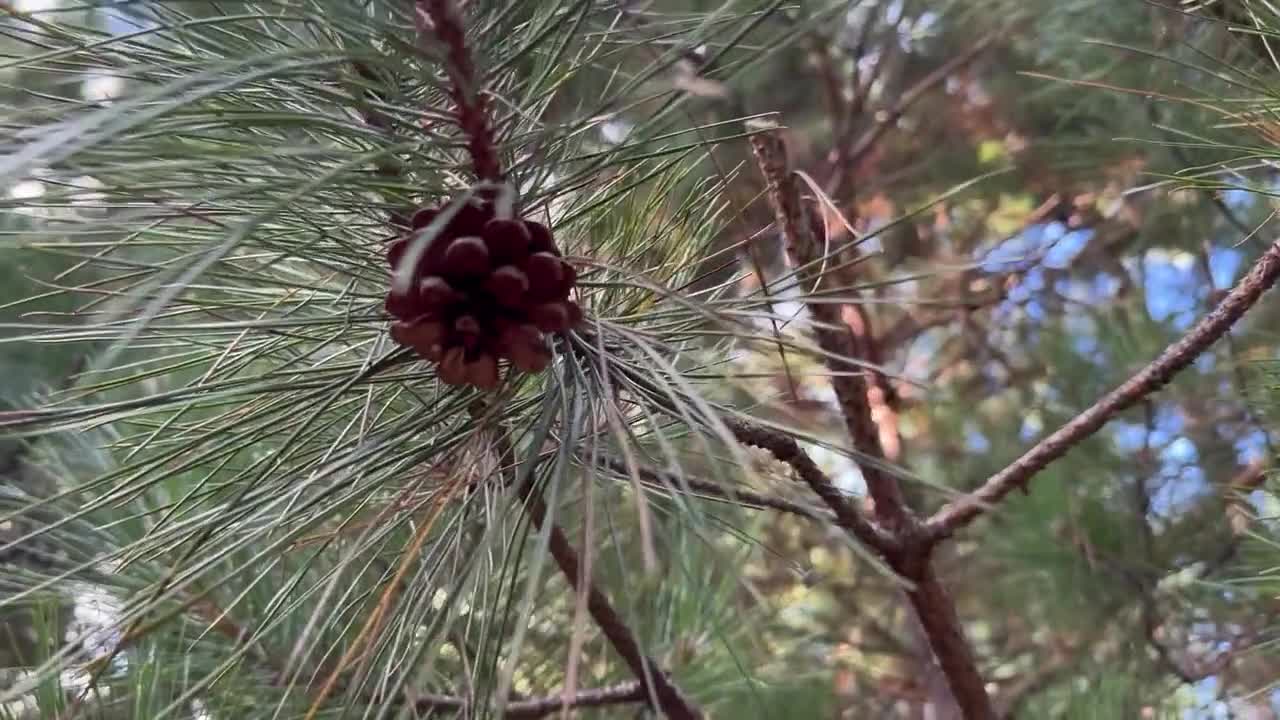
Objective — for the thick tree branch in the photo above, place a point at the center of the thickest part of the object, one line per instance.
(1176, 357)
(941, 624)
(833, 335)
(842, 344)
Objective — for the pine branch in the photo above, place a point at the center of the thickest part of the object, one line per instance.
(833, 336)
(911, 558)
(788, 451)
(718, 492)
(656, 686)
(1174, 359)
(439, 19)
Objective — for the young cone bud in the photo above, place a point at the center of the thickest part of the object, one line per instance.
(483, 372)
(453, 366)
(546, 275)
(569, 281)
(423, 218)
(508, 241)
(483, 289)
(404, 306)
(541, 240)
(436, 292)
(424, 336)
(467, 257)
(552, 317)
(525, 347)
(395, 251)
(575, 313)
(508, 284)
(469, 329)
(469, 220)
(429, 258)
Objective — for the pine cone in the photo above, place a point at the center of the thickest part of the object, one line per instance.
(483, 289)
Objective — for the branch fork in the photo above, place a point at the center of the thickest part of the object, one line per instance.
(903, 539)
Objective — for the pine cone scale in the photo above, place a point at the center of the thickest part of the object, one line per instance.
(485, 289)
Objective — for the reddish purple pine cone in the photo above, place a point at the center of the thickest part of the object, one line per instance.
(482, 290)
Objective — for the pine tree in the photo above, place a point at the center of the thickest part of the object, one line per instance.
(427, 358)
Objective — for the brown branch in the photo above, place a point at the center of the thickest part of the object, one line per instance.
(439, 18)
(841, 345)
(655, 685)
(787, 450)
(833, 335)
(1237, 368)
(1176, 357)
(882, 398)
(937, 615)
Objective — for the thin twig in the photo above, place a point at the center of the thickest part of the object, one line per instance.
(1176, 357)
(787, 450)
(629, 692)
(656, 686)
(932, 604)
(718, 492)
(846, 160)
